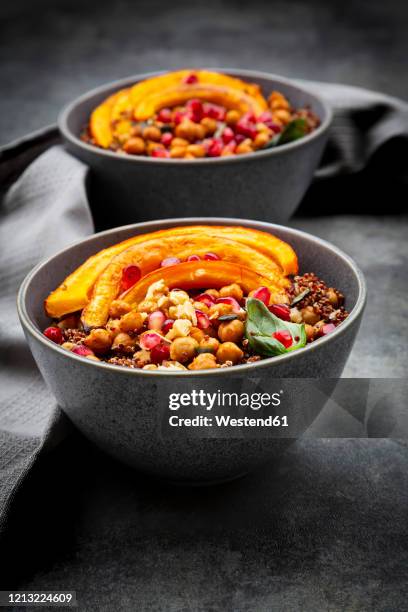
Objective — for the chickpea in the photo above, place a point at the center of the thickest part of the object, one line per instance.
(228, 351)
(183, 349)
(196, 150)
(282, 116)
(99, 340)
(246, 146)
(309, 315)
(295, 315)
(179, 142)
(135, 146)
(152, 145)
(232, 117)
(332, 296)
(186, 129)
(217, 310)
(261, 140)
(178, 152)
(142, 358)
(150, 366)
(151, 132)
(231, 331)
(209, 345)
(197, 334)
(189, 155)
(200, 131)
(136, 130)
(132, 321)
(277, 100)
(317, 326)
(201, 306)
(93, 357)
(233, 290)
(310, 332)
(123, 342)
(68, 345)
(210, 125)
(119, 308)
(204, 361)
(214, 292)
(113, 326)
(147, 306)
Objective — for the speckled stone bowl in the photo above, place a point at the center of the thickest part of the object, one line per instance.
(264, 185)
(123, 411)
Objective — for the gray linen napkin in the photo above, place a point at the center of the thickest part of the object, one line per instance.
(47, 208)
(44, 210)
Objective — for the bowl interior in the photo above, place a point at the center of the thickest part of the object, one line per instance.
(76, 115)
(314, 255)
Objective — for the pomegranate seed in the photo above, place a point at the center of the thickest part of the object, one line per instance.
(265, 116)
(160, 153)
(206, 299)
(196, 110)
(166, 139)
(178, 117)
(248, 117)
(239, 138)
(227, 135)
(263, 294)
(280, 310)
(156, 320)
(326, 329)
(190, 79)
(193, 258)
(164, 115)
(284, 337)
(214, 111)
(130, 276)
(246, 129)
(215, 148)
(81, 350)
(231, 301)
(54, 334)
(203, 322)
(170, 261)
(159, 353)
(211, 257)
(230, 147)
(167, 325)
(273, 126)
(150, 339)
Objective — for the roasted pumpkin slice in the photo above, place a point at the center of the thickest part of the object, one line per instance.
(148, 256)
(179, 94)
(199, 275)
(74, 293)
(170, 79)
(100, 124)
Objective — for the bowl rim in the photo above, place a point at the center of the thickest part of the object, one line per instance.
(231, 159)
(30, 327)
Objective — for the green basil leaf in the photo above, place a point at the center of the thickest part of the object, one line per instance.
(293, 131)
(261, 324)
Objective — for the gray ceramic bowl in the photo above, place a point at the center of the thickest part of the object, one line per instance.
(123, 410)
(263, 185)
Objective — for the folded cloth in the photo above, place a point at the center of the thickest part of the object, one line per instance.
(46, 208)
(43, 211)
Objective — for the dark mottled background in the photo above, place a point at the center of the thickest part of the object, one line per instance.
(327, 528)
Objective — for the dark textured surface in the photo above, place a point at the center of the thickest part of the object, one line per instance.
(54, 50)
(327, 529)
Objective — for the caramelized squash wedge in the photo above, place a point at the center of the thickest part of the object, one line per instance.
(179, 94)
(197, 275)
(75, 292)
(100, 124)
(164, 81)
(148, 256)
